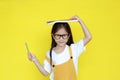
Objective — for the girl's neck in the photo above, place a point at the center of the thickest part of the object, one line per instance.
(59, 49)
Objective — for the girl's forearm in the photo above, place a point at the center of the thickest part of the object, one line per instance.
(87, 34)
(40, 67)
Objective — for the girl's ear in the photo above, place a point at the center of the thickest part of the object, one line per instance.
(52, 35)
(69, 35)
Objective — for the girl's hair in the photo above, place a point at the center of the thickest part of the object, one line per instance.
(55, 28)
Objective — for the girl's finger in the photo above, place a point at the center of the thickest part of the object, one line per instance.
(30, 56)
(73, 18)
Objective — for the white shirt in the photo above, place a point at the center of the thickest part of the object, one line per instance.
(64, 56)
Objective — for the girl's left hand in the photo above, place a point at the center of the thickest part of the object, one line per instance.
(75, 18)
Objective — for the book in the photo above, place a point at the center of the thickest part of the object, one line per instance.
(55, 21)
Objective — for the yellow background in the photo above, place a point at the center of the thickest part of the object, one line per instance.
(25, 20)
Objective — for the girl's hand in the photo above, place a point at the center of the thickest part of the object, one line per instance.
(31, 57)
(75, 18)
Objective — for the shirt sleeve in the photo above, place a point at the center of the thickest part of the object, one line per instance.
(47, 65)
(78, 48)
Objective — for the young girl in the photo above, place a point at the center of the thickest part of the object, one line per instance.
(62, 59)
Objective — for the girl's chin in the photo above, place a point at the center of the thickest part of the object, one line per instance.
(61, 45)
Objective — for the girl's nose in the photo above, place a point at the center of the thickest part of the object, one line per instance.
(61, 37)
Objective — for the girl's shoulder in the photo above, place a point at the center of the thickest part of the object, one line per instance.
(78, 47)
(48, 54)
(78, 44)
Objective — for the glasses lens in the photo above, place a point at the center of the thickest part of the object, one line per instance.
(65, 36)
(57, 36)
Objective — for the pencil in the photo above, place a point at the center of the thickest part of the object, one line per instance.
(28, 51)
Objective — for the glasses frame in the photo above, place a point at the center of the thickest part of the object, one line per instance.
(58, 36)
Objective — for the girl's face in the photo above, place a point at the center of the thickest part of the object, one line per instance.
(61, 37)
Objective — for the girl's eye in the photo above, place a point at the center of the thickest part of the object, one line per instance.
(57, 35)
(64, 35)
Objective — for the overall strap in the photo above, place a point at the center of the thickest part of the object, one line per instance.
(47, 59)
(70, 52)
(49, 62)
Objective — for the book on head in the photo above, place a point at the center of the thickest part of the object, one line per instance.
(55, 21)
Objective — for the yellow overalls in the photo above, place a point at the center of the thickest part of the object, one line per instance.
(65, 71)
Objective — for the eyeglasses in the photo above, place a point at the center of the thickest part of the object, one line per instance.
(58, 36)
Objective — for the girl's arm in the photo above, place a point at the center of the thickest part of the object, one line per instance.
(37, 63)
(87, 34)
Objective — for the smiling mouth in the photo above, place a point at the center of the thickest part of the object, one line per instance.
(61, 42)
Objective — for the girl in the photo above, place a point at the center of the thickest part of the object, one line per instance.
(62, 59)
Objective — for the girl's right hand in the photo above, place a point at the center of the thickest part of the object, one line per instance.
(31, 57)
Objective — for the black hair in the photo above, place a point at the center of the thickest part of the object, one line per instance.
(55, 28)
